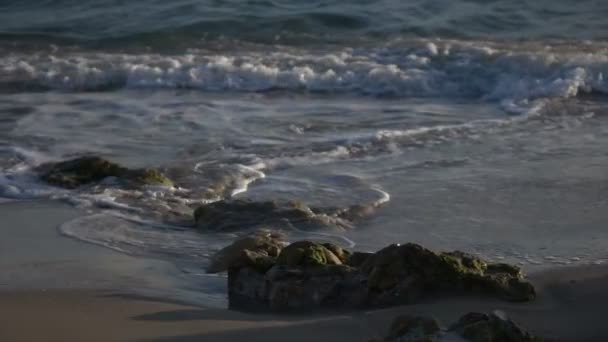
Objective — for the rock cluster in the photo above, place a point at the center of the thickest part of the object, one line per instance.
(86, 170)
(473, 327)
(308, 275)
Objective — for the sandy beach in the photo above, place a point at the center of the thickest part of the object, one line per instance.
(54, 288)
(565, 311)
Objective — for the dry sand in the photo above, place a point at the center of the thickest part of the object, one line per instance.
(55, 289)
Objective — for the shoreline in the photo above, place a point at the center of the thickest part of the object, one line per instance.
(73, 291)
(565, 310)
(35, 256)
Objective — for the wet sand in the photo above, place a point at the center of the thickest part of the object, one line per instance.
(53, 288)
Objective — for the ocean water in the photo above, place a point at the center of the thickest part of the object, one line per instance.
(474, 125)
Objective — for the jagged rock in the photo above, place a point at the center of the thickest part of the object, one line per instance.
(231, 215)
(309, 275)
(414, 328)
(479, 327)
(257, 251)
(86, 170)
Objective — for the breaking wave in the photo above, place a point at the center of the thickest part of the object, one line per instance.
(507, 73)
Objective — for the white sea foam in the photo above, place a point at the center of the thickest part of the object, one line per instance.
(433, 68)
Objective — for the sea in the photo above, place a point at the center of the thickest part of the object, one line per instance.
(478, 125)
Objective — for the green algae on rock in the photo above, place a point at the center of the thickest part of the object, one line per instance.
(306, 253)
(148, 177)
(448, 271)
(253, 251)
(86, 170)
(308, 275)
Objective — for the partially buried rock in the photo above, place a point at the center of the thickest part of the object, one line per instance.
(81, 171)
(249, 251)
(472, 327)
(479, 327)
(308, 275)
(232, 215)
(414, 328)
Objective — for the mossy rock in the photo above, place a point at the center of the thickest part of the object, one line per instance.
(263, 244)
(509, 287)
(504, 268)
(149, 177)
(79, 171)
(259, 261)
(420, 268)
(86, 170)
(306, 253)
(395, 275)
(463, 263)
(338, 251)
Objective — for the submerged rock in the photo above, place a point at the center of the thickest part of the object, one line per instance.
(473, 327)
(80, 171)
(232, 215)
(309, 275)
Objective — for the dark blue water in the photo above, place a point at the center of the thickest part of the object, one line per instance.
(194, 23)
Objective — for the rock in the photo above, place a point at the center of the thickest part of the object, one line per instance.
(338, 251)
(86, 170)
(479, 327)
(232, 215)
(250, 251)
(473, 327)
(247, 289)
(148, 177)
(358, 211)
(403, 273)
(283, 288)
(290, 290)
(504, 268)
(306, 253)
(309, 275)
(414, 328)
(356, 259)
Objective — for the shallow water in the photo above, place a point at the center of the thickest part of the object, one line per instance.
(469, 134)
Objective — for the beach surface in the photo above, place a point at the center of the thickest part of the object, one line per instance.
(564, 311)
(54, 288)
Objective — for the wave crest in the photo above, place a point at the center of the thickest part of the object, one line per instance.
(426, 69)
